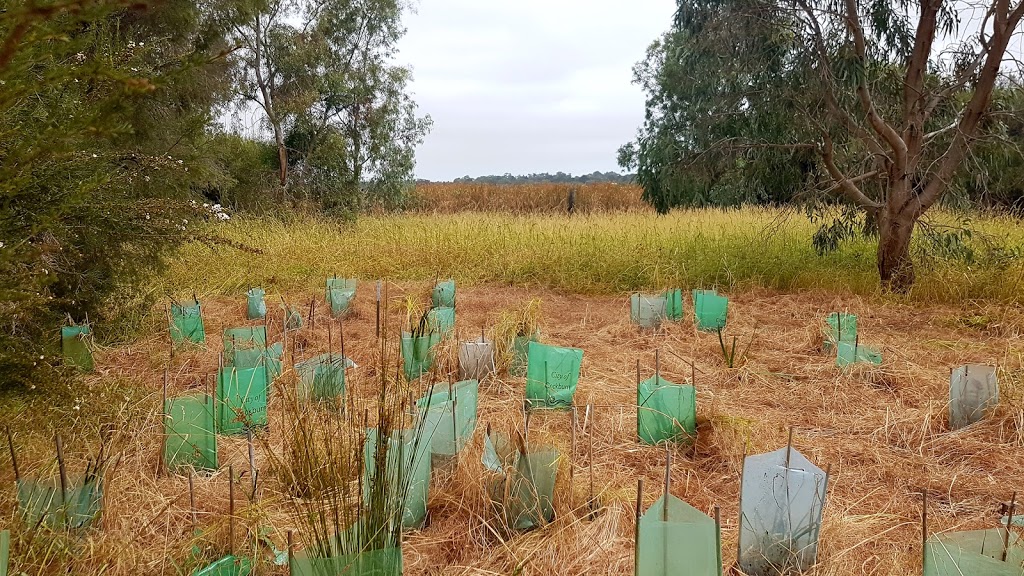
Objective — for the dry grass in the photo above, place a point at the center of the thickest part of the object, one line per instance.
(540, 198)
(883, 431)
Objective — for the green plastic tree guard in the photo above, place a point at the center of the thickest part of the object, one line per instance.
(187, 323)
(293, 319)
(76, 346)
(552, 374)
(674, 305)
(244, 338)
(443, 294)
(5, 551)
(839, 328)
(418, 353)
(665, 411)
(242, 399)
(710, 310)
(322, 377)
(442, 319)
(647, 310)
(521, 353)
(383, 562)
(522, 488)
(782, 497)
(255, 305)
(848, 353)
(449, 413)
(973, 553)
(676, 538)
(407, 472)
(43, 503)
(190, 433)
(340, 292)
(226, 566)
(973, 391)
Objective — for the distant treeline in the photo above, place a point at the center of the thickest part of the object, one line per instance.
(556, 178)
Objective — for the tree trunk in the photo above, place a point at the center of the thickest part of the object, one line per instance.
(282, 154)
(895, 267)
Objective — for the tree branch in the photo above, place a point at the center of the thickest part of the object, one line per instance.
(847, 185)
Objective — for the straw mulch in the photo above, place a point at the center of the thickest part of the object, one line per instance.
(882, 431)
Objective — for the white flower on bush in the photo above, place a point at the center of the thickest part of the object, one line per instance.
(222, 216)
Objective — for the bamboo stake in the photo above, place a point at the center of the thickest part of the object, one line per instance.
(163, 427)
(924, 529)
(1009, 520)
(636, 531)
(14, 457)
(63, 477)
(192, 498)
(668, 482)
(231, 509)
(590, 456)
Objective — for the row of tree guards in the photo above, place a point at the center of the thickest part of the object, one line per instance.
(782, 493)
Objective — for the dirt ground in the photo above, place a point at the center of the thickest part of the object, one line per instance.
(881, 431)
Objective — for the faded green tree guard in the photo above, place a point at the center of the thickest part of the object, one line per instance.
(407, 471)
(187, 323)
(521, 353)
(552, 375)
(255, 304)
(190, 433)
(383, 562)
(449, 415)
(339, 294)
(5, 551)
(322, 377)
(226, 566)
(839, 327)
(973, 392)
(782, 498)
(647, 310)
(676, 538)
(443, 294)
(665, 411)
(849, 353)
(76, 347)
(242, 399)
(974, 553)
(418, 353)
(674, 305)
(710, 310)
(522, 486)
(442, 319)
(77, 506)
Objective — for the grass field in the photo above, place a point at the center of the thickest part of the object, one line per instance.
(602, 253)
(883, 430)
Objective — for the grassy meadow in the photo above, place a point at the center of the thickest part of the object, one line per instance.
(603, 252)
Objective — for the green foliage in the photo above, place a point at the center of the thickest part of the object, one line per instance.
(102, 114)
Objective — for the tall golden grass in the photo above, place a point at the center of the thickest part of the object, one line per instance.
(598, 253)
(539, 198)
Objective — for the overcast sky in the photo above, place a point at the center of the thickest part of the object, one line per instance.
(525, 86)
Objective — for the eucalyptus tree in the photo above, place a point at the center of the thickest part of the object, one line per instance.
(877, 102)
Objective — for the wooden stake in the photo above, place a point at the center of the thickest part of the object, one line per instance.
(290, 548)
(378, 308)
(718, 536)
(252, 462)
(192, 498)
(63, 477)
(14, 457)
(636, 532)
(572, 452)
(657, 366)
(668, 482)
(789, 447)
(1009, 521)
(739, 524)
(231, 509)
(163, 427)
(590, 455)
(924, 529)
